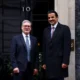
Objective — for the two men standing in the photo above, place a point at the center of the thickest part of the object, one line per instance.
(56, 51)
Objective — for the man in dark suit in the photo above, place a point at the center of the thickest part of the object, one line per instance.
(24, 55)
(56, 48)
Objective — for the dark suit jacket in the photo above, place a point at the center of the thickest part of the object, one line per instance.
(19, 52)
(56, 50)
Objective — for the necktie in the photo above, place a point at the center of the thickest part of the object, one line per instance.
(28, 48)
(52, 30)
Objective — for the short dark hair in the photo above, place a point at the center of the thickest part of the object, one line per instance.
(52, 11)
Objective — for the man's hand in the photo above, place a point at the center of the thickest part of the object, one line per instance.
(16, 70)
(35, 72)
(64, 66)
(44, 66)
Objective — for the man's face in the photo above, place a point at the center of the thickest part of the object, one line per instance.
(52, 19)
(26, 28)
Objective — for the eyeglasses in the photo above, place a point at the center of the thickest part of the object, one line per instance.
(26, 25)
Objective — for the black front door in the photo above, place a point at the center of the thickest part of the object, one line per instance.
(12, 12)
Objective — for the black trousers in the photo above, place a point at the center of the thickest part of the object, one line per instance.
(26, 75)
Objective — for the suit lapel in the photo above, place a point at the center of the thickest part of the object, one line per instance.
(32, 43)
(31, 39)
(49, 33)
(56, 32)
(22, 41)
